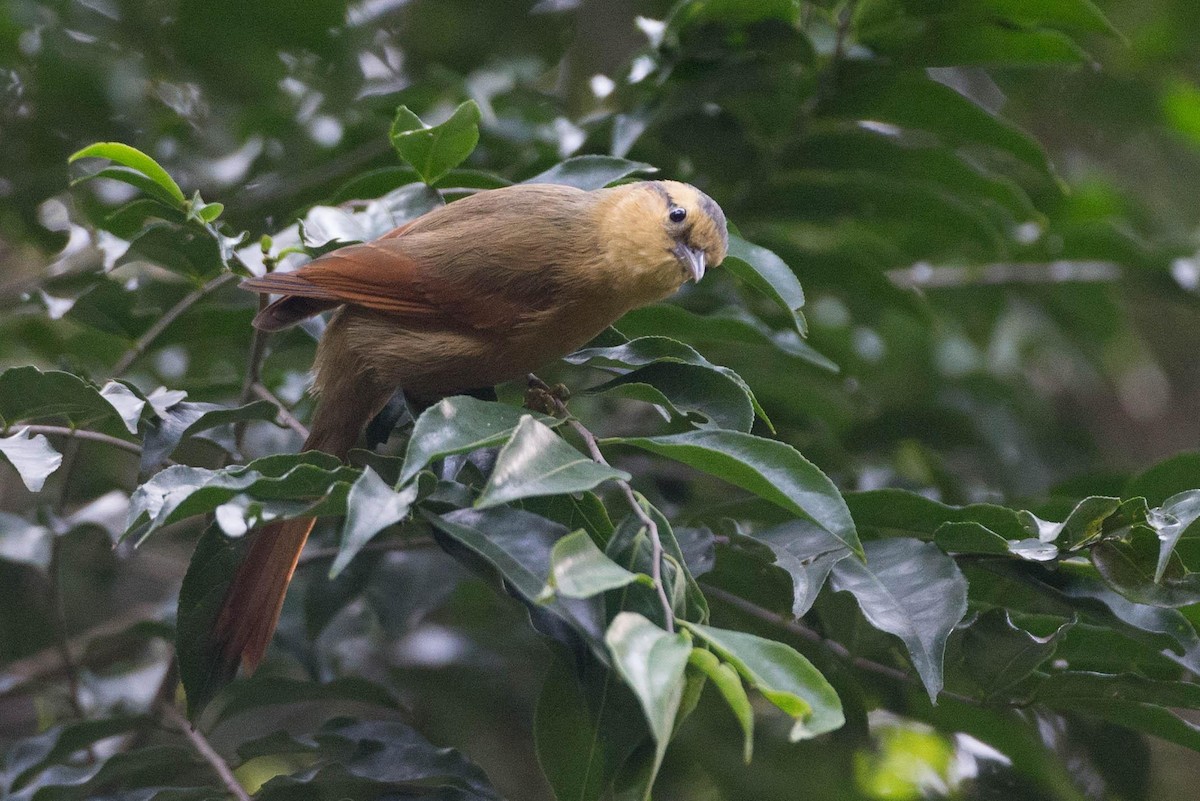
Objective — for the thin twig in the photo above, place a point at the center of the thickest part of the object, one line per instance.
(162, 323)
(833, 646)
(285, 414)
(656, 546)
(54, 576)
(205, 750)
(258, 352)
(78, 433)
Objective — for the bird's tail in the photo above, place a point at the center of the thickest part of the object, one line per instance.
(250, 610)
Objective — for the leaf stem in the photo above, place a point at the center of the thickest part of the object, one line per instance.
(78, 433)
(656, 546)
(162, 323)
(206, 751)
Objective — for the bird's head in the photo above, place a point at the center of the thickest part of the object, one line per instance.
(667, 226)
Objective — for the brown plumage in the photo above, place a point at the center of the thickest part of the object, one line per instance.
(473, 294)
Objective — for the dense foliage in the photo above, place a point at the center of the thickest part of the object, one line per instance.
(913, 530)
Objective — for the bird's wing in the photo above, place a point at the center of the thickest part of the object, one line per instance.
(384, 275)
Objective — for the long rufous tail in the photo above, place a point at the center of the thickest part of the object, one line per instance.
(252, 604)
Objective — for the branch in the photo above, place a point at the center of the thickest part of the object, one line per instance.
(285, 414)
(833, 646)
(91, 436)
(205, 750)
(153, 332)
(656, 547)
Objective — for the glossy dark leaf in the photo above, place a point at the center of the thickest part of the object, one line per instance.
(171, 426)
(652, 663)
(807, 552)
(590, 172)
(519, 545)
(371, 506)
(702, 396)
(994, 653)
(271, 487)
(458, 425)
(912, 590)
(772, 470)
(578, 569)
(768, 274)
(1130, 568)
(372, 759)
(535, 461)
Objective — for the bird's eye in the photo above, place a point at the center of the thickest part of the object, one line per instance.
(677, 215)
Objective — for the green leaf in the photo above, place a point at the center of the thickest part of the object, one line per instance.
(371, 506)
(291, 485)
(585, 727)
(899, 512)
(519, 545)
(435, 150)
(996, 654)
(135, 179)
(578, 569)
(652, 663)
(590, 172)
(726, 679)
(536, 461)
(731, 324)
(912, 590)
(458, 425)
(772, 470)
(807, 552)
(768, 274)
(349, 758)
(1173, 521)
(1180, 472)
(909, 99)
(255, 695)
(631, 548)
(134, 159)
(784, 677)
(32, 457)
(202, 669)
(702, 396)
(1130, 567)
(180, 421)
(190, 252)
(28, 394)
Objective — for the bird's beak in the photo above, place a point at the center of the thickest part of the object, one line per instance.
(692, 260)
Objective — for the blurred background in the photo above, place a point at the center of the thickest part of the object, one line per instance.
(1008, 287)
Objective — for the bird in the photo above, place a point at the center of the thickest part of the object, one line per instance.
(469, 295)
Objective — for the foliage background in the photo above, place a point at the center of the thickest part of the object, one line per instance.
(1013, 321)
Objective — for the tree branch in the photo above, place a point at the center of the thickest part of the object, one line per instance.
(285, 414)
(78, 433)
(656, 547)
(162, 323)
(205, 750)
